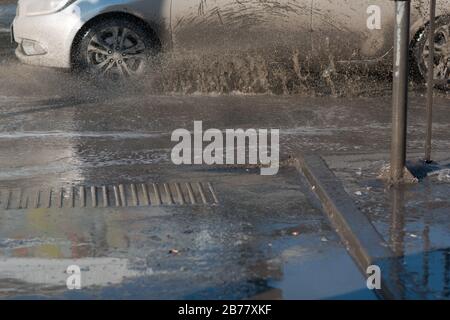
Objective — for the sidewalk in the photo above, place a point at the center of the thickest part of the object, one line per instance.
(413, 219)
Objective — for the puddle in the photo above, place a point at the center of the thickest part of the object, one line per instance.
(245, 246)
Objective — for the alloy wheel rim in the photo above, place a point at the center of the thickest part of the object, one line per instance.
(118, 52)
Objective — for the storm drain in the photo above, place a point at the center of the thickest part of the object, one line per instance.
(121, 195)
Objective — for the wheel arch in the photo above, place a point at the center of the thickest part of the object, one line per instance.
(419, 27)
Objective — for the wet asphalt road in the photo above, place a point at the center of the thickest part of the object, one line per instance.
(266, 238)
(78, 139)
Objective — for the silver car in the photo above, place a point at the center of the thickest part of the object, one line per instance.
(118, 36)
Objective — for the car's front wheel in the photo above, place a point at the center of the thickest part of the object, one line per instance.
(116, 49)
(441, 48)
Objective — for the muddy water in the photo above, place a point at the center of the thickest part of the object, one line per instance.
(249, 73)
(281, 71)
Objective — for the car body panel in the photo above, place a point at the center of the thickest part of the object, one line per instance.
(319, 28)
(340, 29)
(231, 25)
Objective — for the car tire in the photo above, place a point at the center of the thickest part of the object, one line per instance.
(115, 48)
(442, 56)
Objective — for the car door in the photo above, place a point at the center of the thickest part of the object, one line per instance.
(228, 25)
(352, 29)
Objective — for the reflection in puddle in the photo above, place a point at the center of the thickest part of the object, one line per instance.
(397, 229)
(52, 272)
(320, 276)
(428, 267)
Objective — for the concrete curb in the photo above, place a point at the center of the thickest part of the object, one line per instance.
(364, 243)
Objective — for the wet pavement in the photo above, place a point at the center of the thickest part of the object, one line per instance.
(266, 238)
(243, 247)
(413, 218)
(264, 234)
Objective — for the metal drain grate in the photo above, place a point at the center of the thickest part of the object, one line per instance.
(121, 195)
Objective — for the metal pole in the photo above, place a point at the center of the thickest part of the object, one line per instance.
(430, 80)
(400, 89)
